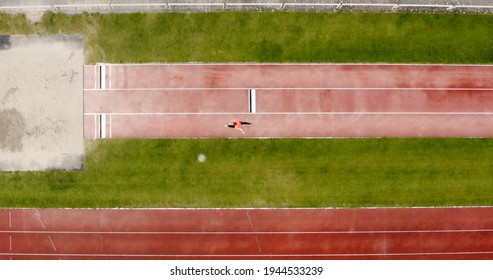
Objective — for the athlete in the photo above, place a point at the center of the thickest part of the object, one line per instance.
(236, 124)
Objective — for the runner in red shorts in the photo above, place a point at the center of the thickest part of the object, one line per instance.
(236, 124)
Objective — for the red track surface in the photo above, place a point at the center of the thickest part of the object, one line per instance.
(311, 100)
(152, 101)
(381, 233)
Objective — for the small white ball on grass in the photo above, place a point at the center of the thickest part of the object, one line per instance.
(201, 158)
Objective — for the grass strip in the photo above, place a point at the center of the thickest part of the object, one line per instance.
(272, 37)
(264, 173)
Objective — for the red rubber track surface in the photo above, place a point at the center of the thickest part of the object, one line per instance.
(183, 100)
(292, 100)
(380, 233)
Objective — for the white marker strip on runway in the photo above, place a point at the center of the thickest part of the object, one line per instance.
(110, 75)
(102, 85)
(95, 77)
(102, 126)
(110, 125)
(252, 101)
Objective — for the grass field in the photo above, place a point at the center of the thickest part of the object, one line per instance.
(274, 37)
(268, 173)
(265, 173)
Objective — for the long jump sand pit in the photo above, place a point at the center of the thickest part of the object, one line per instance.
(41, 103)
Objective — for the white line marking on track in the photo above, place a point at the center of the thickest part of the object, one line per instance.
(110, 76)
(295, 88)
(281, 208)
(300, 113)
(10, 219)
(110, 125)
(95, 77)
(95, 126)
(299, 64)
(52, 243)
(250, 232)
(101, 220)
(39, 218)
(258, 244)
(249, 220)
(10, 241)
(252, 255)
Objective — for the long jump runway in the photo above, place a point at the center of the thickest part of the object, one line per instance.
(378, 233)
(312, 100)
(288, 100)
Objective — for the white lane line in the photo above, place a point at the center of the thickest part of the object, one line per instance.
(300, 113)
(351, 232)
(10, 219)
(95, 77)
(39, 218)
(110, 76)
(52, 243)
(258, 244)
(295, 88)
(251, 225)
(102, 126)
(10, 241)
(298, 64)
(249, 220)
(95, 126)
(123, 209)
(256, 255)
(110, 125)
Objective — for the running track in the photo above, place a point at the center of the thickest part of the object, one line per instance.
(310, 101)
(379, 233)
(292, 100)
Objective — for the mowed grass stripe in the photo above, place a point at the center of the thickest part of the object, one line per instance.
(264, 173)
(272, 37)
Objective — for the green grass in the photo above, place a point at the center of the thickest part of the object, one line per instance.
(272, 37)
(265, 173)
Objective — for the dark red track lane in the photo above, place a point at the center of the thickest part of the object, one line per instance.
(388, 233)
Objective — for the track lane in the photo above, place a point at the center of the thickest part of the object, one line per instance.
(388, 233)
(299, 76)
(404, 100)
(301, 125)
(381, 100)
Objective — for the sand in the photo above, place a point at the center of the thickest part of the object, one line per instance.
(41, 103)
